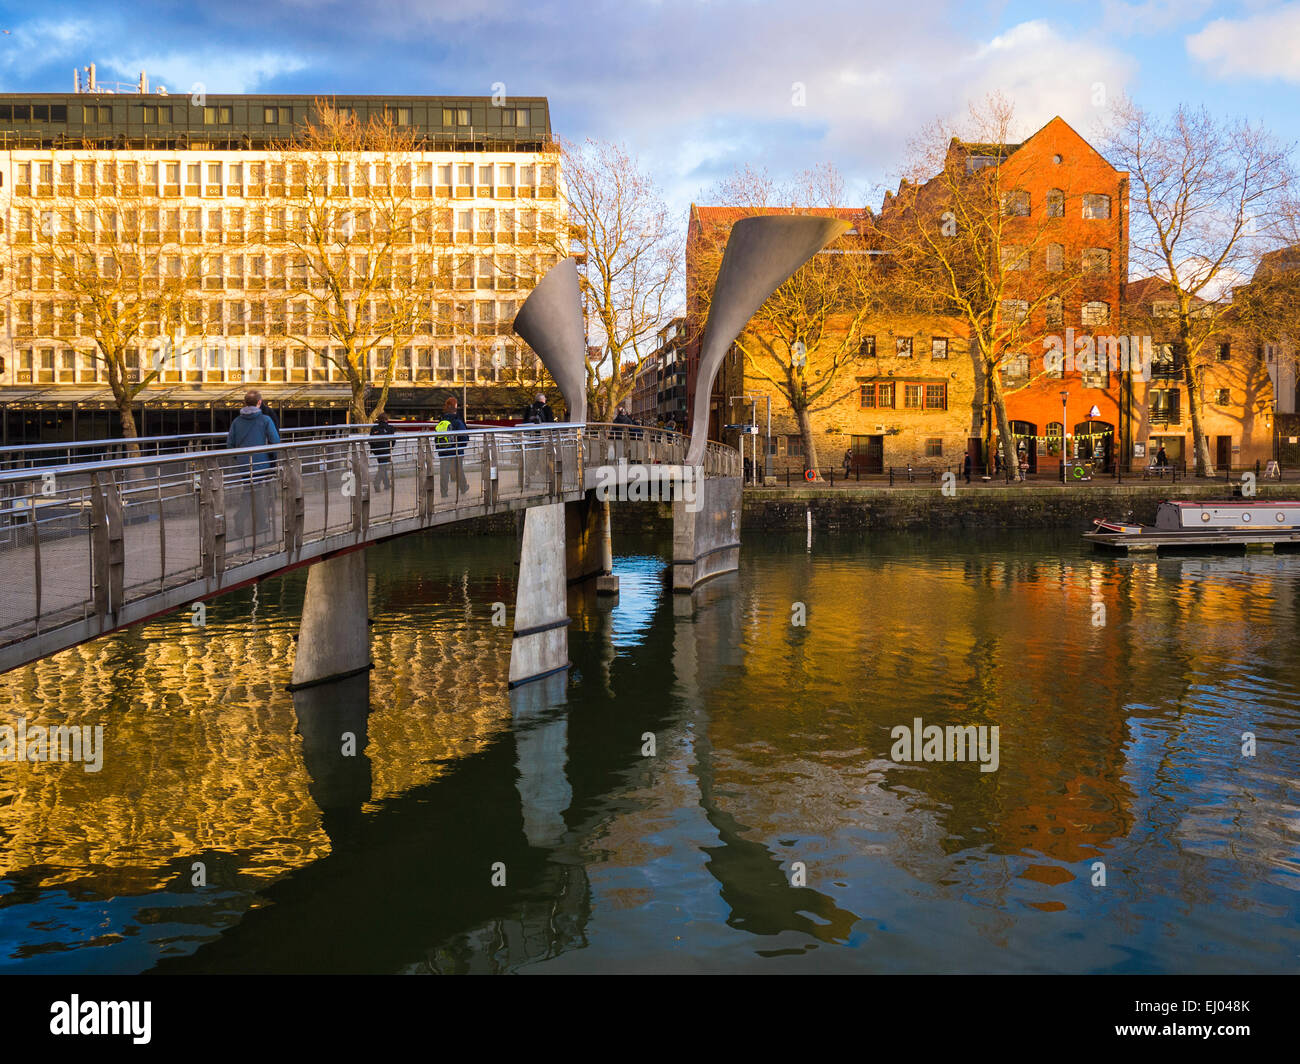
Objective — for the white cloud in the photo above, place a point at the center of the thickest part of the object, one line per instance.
(1150, 16)
(1263, 45)
(180, 72)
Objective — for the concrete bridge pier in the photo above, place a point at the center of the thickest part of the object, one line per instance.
(589, 543)
(334, 634)
(706, 531)
(541, 637)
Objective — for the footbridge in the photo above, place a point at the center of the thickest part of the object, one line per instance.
(102, 540)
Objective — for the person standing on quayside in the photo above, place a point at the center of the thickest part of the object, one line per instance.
(450, 448)
(382, 449)
(1162, 459)
(252, 428)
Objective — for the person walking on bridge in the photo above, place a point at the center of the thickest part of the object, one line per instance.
(451, 449)
(382, 449)
(252, 428)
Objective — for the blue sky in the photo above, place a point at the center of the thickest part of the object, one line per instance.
(697, 87)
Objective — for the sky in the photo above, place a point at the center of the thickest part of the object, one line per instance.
(696, 88)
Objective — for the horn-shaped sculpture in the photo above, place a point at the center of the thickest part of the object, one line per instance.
(550, 322)
(762, 254)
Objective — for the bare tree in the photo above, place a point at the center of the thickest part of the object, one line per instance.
(962, 243)
(811, 327)
(360, 246)
(1208, 195)
(108, 251)
(629, 253)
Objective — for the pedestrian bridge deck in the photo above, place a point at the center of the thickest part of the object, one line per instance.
(87, 547)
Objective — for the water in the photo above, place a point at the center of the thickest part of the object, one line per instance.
(225, 831)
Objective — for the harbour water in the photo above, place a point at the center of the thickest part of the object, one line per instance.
(712, 788)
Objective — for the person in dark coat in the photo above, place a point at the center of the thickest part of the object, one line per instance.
(451, 449)
(1162, 459)
(382, 449)
(539, 411)
(967, 466)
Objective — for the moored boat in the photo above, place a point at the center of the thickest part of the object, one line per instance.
(1209, 523)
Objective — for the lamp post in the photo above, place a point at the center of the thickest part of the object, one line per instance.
(1065, 397)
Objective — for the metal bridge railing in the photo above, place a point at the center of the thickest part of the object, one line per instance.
(80, 541)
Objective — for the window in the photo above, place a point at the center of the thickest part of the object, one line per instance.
(1055, 431)
(934, 447)
(514, 116)
(903, 346)
(1094, 371)
(277, 116)
(1055, 258)
(936, 397)
(465, 174)
(1055, 202)
(912, 396)
(95, 114)
(867, 395)
(1225, 351)
(455, 116)
(885, 395)
(1163, 362)
(794, 446)
(1096, 260)
(1095, 313)
(1015, 369)
(1016, 310)
(1015, 257)
(979, 162)
(401, 116)
(867, 348)
(1016, 203)
(1096, 205)
(485, 175)
(217, 116)
(939, 347)
(1164, 308)
(1224, 397)
(1054, 311)
(1165, 406)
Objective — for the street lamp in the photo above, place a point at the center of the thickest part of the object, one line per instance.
(1065, 397)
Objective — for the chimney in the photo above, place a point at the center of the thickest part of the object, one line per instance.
(91, 71)
(144, 83)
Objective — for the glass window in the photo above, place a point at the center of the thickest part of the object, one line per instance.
(867, 395)
(903, 346)
(1225, 351)
(912, 396)
(1054, 310)
(934, 447)
(1015, 202)
(1015, 257)
(1095, 313)
(1096, 205)
(1055, 203)
(1016, 310)
(1055, 258)
(936, 397)
(939, 347)
(867, 348)
(885, 394)
(1224, 397)
(1096, 260)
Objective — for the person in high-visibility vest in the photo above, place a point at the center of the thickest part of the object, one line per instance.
(451, 448)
